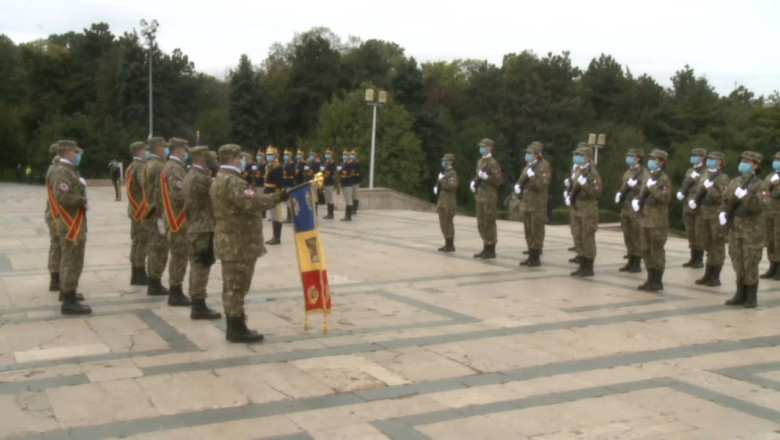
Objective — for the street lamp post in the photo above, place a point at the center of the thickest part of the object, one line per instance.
(598, 143)
(381, 100)
(149, 31)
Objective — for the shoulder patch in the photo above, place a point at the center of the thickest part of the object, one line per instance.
(179, 183)
(64, 186)
(249, 192)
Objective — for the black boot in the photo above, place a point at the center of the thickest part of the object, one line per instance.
(61, 297)
(657, 282)
(347, 214)
(777, 273)
(577, 272)
(482, 253)
(54, 282)
(238, 332)
(770, 273)
(691, 260)
(739, 297)
(355, 204)
(143, 280)
(71, 306)
(201, 311)
(490, 252)
(751, 300)
(533, 258)
(177, 298)
(714, 277)
(134, 276)
(449, 245)
(637, 266)
(706, 277)
(329, 216)
(576, 260)
(156, 288)
(277, 231)
(650, 276)
(629, 264)
(698, 260)
(587, 268)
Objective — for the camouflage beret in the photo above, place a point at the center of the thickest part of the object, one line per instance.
(54, 149)
(179, 143)
(200, 150)
(271, 150)
(752, 155)
(638, 152)
(659, 154)
(449, 156)
(487, 143)
(699, 152)
(584, 149)
(64, 145)
(717, 155)
(156, 142)
(137, 146)
(534, 147)
(229, 151)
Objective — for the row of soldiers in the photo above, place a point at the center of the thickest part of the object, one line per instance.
(716, 207)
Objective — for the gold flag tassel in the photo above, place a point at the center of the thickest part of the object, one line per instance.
(325, 324)
(306, 325)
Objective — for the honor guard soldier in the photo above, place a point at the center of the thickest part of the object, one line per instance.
(708, 199)
(200, 231)
(70, 199)
(742, 210)
(691, 180)
(652, 204)
(172, 190)
(447, 203)
(355, 178)
(533, 186)
(288, 177)
(584, 202)
(154, 222)
(345, 183)
(137, 208)
(260, 171)
(772, 220)
(273, 185)
(328, 173)
(485, 185)
(247, 172)
(300, 167)
(50, 215)
(314, 166)
(629, 219)
(238, 238)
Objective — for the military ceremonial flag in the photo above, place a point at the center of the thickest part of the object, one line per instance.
(311, 256)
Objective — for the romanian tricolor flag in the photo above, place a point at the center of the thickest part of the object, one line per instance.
(311, 255)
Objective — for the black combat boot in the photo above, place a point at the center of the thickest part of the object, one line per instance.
(347, 214)
(697, 260)
(238, 332)
(629, 264)
(751, 294)
(706, 277)
(690, 261)
(134, 276)
(355, 204)
(177, 298)
(482, 253)
(657, 281)
(156, 288)
(650, 276)
(449, 245)
(637, 266)
(577, 272)
(576, 260)
(490, 252)
(533, 258)
(54, 282)
(71, 306)
(714, 277)
(201, 311)
(739, 297)
(277, 231)
(61, 297)
(770, 273)
(586, 270)
(330, 212)
(143, 280)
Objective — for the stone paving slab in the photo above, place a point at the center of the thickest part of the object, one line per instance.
(421, 344)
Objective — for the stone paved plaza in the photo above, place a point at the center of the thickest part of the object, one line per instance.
(421, 344)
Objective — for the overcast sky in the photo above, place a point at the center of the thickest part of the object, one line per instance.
(726, 41)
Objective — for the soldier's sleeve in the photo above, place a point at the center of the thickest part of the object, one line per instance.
(247, 199)
(593, 187)
(661, 191)
(66, 191)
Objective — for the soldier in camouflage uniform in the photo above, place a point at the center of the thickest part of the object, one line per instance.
(584, 202)
(629, 219)
(328, 173)
(154, 223)
(447, 204)
(70, 197)
(200, 231)
(485, 185)
(238, 239)
(533, 186)
(50, 217)
(772, 220)
(652, 204)
(742, 211)
(172, 191)
(137, 207)
(686, 193)
(708, 198)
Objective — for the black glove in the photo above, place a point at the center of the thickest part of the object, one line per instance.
(284, 195)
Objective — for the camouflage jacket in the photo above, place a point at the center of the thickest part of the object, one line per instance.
(174, 174)
(585, 198)
(47, 215)
(655, 209)
(710, 199)
(239, 227)
(639, 173)
(68, 193)
(134, 176)
(487, 190)
(197, 201)
(773, 206)
(448, 190)
(152, 170)
(536, 188)
(746, 220)
(688, 187)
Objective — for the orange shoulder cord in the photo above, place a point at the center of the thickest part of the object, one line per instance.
(174, 222)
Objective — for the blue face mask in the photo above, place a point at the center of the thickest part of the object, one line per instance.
(186, 157)
(270, 157)
(630, 160)
(77, 161)
(745, 167)
(345, 158)
(529, 157)
(299, 156)
(353, 157)
(167, 152)
(243, 162)
(286, 157)
(776, 165)
(444, 164)
(652, 164)
(259, 159)
(311, 157)
(328, 156)
(579, 160)
(148, 154)
(712, 163)
(483, 150)
(695, 160)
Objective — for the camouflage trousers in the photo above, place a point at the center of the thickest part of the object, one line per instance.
(445, 222)
(72, 260)
(138, 244)
(713, 235)
(584, 231)
(236, 279)
(745, 256)
(177, 262)
(486, 221)
(201, 247)
(156, 250)
(348, 192)
(772, 220)
(533, 224)
(694, 239)
(653, 242)
(329, 194)
(631, 234)
(55, 252)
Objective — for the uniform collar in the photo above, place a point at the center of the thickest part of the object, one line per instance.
(66, 161)
(230, 168)
(139, 159)
(487, 155)
(200, 167)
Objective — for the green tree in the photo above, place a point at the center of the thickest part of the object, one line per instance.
(246, 106)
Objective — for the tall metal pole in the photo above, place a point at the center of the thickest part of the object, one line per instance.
(149, 31)
(373, 149)
(151, 119)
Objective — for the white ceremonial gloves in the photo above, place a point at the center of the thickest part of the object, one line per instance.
(722, 219)
(635, 205)
(473, 186)
(740, 193)
(518, 190)
(482, 175)
(582, 180)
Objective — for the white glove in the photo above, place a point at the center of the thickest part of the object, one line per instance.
(473, 186)
(651, 183)
(518, 190)
(582, 180)
(306, 168)
(722, 219)
(632, 182)
(774, 178)
(161, 226)
(740, 193)
(338, 168)
(680, 195)
(83, 182)
(441, 176)
(436, 190)
(692, 204)
(530, 172)
(618, 197)
(482, 175)
(567, 200)
(695, 175)
(567, 182)
(635, 205)
(708, 183)
(254, 167)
